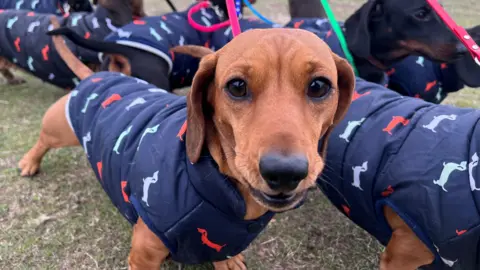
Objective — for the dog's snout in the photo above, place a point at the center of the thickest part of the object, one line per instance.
(283, 172)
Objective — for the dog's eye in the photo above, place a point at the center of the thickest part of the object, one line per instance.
(237, 88)
(319, 88)
(422, 14)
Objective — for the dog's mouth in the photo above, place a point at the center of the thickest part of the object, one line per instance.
(445, 53)
(278, 202)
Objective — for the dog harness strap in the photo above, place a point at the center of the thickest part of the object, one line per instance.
(25, 44)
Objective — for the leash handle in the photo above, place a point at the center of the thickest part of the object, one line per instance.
(338, 31)
(459, 31)
(232, 15)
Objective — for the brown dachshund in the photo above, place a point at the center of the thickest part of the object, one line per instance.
(259, 105)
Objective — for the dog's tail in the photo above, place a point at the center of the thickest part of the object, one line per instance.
(192, 50)
(77, 67)
(91, 44)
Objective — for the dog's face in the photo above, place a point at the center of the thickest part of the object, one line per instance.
(396, 29)
(264, 101)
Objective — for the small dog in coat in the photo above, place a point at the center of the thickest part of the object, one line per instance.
(200, 177)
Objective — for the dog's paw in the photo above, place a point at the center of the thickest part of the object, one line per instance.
(16, 81)
(28, 167)
(234, 263)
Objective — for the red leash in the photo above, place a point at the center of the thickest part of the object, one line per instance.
(232, 14)
(459, 31)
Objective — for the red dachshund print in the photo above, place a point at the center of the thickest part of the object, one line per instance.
(356, 95)
(387, 191)
(460, 232)
(346, 209)
(99, 169)
(123, 184)
(443, 65)
(30, 14)
(329, 33)
(207, 44)
(391, 71)
(95, 80)
(394, 122)
(139, 22)
(298, 24)
(87, 35)
(45, 52)
(17, 44)
(207, 242)
(110, 100)
(182, 131)
(430, 85)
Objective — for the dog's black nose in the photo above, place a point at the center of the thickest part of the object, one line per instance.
(461, 49)
(283, 172)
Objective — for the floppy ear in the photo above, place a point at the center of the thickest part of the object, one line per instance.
(346, 86)
(119, 63)
(356, 29)
(192, 50)
(196, 105)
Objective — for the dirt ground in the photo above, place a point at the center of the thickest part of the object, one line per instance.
(62, 219)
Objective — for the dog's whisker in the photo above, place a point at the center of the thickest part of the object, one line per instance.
(334, 188)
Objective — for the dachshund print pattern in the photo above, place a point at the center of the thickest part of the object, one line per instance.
(437, 119)
(146, 185)
(146, 173)
(422, 78)
(471, 176)
(448, 169)
(349, 129)
(357, 170)
(422, 162)
(23, 41)
(41, 6)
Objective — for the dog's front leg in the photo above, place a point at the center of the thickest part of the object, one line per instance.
(147, 251)
(404, 251)
(234, 263)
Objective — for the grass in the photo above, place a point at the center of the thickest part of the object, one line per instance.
(61, 219)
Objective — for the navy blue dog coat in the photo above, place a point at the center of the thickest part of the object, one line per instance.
(421, 78)
(40, 6)
(416, 157)
(133, 134)
(24, 42)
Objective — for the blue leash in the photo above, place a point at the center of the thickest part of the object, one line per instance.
(256, 13)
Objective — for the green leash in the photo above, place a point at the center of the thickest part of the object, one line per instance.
(338, 31)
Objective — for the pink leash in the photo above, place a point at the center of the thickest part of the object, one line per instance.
(459, 31)
(232, 15)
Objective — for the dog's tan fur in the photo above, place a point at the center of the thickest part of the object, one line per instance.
(236, 133)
